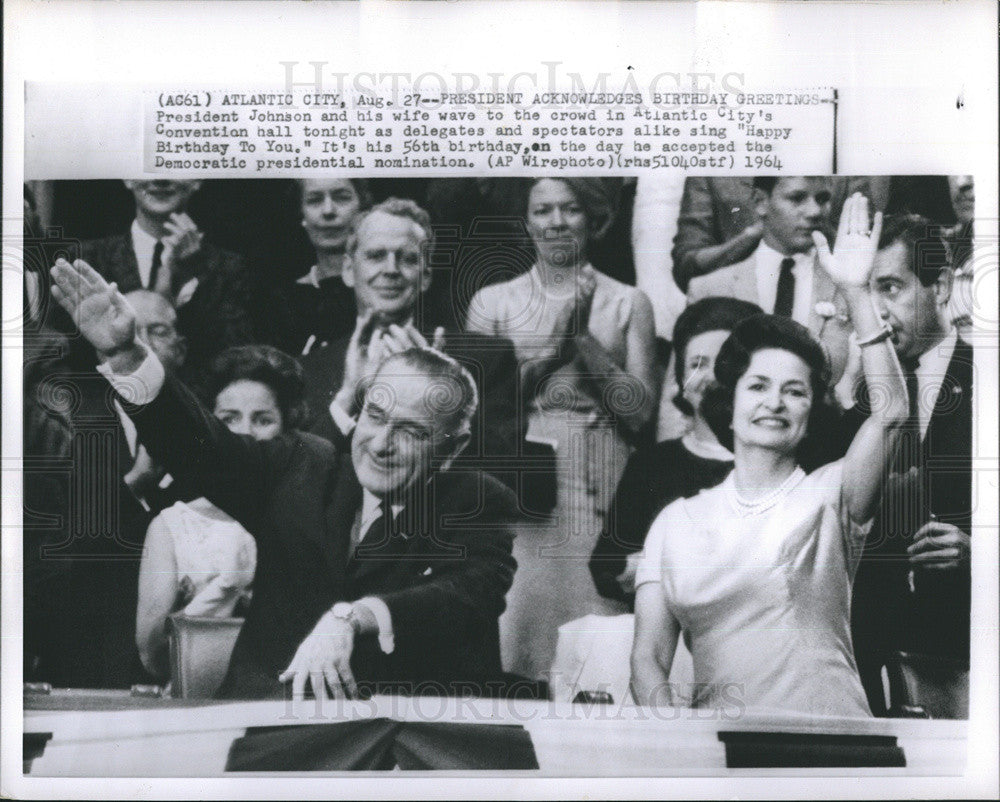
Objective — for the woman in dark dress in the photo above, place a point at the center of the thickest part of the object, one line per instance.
(673, 469)
(318, 306)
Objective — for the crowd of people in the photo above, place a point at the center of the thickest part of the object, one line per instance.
(775, 473)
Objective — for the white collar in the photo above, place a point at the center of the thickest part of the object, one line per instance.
(776, 257)
(705, 450)
(536, 277)
(933, 363)
(370, 504)
(313, 279)
(767, 266)
(141, 238)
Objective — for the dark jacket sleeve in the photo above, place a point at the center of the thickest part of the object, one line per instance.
(695, 228)
(235, 472)
(324, 373)
(504, 423)
(713, 212)
(627, 524)
(467, 596)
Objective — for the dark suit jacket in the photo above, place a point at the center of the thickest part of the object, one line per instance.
(498, 427)
(218, 314)
(887, 616)
(444, 585)
(84, 532)
(297, 312)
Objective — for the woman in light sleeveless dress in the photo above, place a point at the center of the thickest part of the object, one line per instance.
(585, 345)
(756, 573)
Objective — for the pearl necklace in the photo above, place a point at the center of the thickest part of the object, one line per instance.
(745, 508)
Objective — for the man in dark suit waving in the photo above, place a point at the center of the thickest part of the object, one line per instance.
(386, 265)
(386, 569)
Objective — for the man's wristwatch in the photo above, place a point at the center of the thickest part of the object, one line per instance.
(344, 611)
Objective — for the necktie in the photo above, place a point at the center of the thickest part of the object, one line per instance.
(904, 504)
(154, 271)
(784, 300)
(382, 538)
(909, 455)
(912, 387)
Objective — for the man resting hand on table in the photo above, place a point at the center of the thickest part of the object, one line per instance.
(382, 569)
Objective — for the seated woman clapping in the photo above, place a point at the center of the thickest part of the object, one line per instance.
(757, 572)
(197, 558)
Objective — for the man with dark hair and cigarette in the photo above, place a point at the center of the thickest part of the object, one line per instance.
(912, 592)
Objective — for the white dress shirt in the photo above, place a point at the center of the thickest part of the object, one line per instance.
(931, 369)
(143, 244)
(768, 267)
(370, 511)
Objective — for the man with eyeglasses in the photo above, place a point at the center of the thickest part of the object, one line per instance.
(382, 570)
(386, 265)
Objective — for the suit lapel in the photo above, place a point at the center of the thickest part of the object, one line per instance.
(950, 425)
(340, 513)
(388, 552)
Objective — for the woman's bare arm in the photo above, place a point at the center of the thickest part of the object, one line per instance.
(653, 647)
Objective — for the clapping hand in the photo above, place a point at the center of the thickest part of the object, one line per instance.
(574, 316)
(370, 344)
(586, 286)
(850, 265)
(183, 239)
(99, 310)
(395, 339)
(356, 358)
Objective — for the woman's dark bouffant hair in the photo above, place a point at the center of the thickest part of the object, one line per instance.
(261, 363)
(771, 331)
(708, 314)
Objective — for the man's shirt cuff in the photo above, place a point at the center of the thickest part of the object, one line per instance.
(141, 386)
(380, 610)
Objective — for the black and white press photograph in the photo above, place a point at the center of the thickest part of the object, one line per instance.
(330, 440)
(514, 399)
